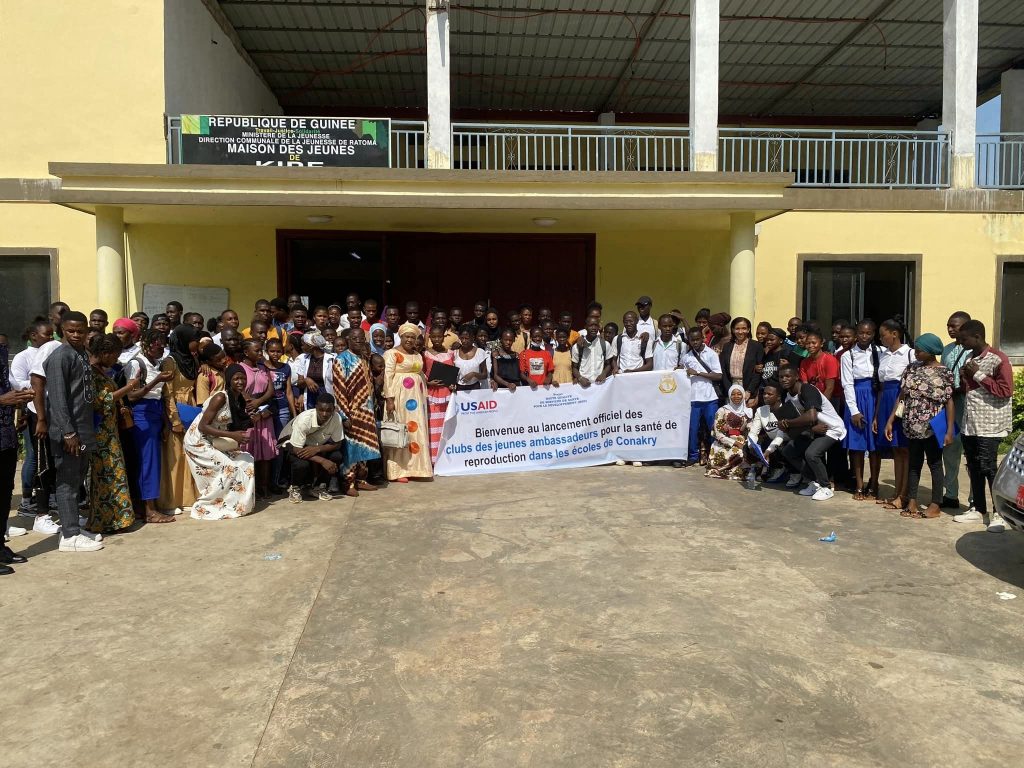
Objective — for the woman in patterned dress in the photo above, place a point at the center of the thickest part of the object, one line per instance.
(259, 392)
(353, 391)
(438, 394)
(110, 503)
(405, 396)
(727, 457)
(225, 479)
(926, 389)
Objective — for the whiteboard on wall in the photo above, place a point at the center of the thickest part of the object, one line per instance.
(208, 301)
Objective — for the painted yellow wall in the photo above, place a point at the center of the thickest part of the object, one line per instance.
(242, 259)
(72, 233)
(83, 81)
(957, 266)
(682, 269)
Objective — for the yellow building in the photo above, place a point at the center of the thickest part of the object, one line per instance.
(704, 156)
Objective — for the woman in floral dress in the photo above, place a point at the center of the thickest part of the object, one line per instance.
(110, 503)
(727, 457)
(405, 397)
(926, 389)
(225, 479)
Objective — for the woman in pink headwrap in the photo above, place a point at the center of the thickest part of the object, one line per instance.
(127, 332)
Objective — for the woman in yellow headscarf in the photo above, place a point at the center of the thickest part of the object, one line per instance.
(405, 398)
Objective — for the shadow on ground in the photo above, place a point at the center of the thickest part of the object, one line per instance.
(998, 555)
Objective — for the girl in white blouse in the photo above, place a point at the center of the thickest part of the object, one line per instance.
(893, 358)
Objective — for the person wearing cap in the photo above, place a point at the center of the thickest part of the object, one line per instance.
(926, 389)
(644, 322)
(718, 324)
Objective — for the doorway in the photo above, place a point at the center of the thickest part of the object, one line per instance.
(854, 290)
(439, 269)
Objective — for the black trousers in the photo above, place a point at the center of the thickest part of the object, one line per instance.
(807, 456)
(920, 449)
(981, 454)
(71, 473)
(8, 466)
(306, 472)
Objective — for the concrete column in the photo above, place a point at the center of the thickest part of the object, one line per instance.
(111, 279)
(439, 96)
(741, 265)
(960, 85)
(703, 85)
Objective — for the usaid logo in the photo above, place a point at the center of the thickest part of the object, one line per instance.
(479, 405)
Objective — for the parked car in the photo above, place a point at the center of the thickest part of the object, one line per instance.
(1008, 488)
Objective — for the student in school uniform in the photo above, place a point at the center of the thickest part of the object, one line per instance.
(893, 358)
(591, 356)
(633, 350)
(667, 349)
(704, 369)
(536, 363)
(858, 375)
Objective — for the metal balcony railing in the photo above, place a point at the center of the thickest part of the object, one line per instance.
(815, 157)
(838, 158)
(513, 147)
(999, 160)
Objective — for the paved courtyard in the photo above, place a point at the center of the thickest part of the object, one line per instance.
(600, 617)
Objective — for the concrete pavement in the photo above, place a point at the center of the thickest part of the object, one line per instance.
(613, 616)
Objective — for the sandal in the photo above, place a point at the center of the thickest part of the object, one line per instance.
(895, 503)
(362, 485)
(859, 495)
(907, 513)
(159, 517)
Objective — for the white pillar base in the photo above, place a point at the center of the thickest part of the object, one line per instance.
(741, 266)
(705, 161)
(962, 172)
(111, 275)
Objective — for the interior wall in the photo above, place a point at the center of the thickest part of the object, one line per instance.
(678, 269)
(205, 74)
(71, 233)
(241, 259)
(957, 257)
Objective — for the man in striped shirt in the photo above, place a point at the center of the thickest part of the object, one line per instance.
(988, 378)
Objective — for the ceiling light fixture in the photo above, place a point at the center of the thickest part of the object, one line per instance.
(543, 222)
(320, 219)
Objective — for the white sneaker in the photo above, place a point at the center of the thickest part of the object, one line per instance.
(824, 493)
(45, 524)
(638, 463)
(810, 489)
(620, 463)
(996, 524)
(970, 516)
(91, 535)
(794, 481)
(776, 475)
(78, 544)
(294, 494)
(14, 530)
(176, 511)
(323, 494)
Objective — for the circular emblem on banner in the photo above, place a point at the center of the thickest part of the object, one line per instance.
(667, 384)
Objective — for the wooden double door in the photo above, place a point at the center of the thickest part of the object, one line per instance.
(440, 269)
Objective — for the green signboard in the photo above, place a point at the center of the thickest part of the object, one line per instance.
(274, 140)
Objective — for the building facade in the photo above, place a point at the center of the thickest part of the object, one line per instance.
(813, 204)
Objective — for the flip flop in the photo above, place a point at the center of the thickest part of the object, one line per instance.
(362, 485)
(893, 505)
(907, 513)
(159, 518)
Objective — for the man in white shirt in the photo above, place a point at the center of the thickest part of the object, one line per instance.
(314, 440)
(821, 428)
(591, 356)
(704, 369)
(644, 321)
(633, 351)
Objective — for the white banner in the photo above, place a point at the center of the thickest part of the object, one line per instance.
(632, 417)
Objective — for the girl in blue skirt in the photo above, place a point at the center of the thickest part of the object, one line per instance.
(858, 376)
(893, 358)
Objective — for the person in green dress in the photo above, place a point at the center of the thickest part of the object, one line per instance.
(110, 504)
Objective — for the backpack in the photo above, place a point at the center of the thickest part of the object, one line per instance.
(643, 344)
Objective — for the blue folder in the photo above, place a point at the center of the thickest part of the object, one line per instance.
(939, 426)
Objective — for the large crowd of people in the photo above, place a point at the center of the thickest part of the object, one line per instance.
(148, 418)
